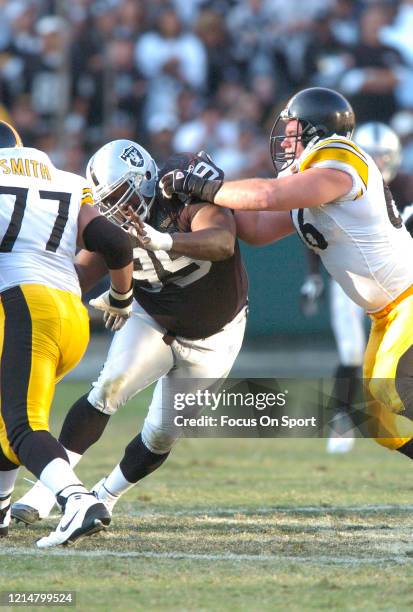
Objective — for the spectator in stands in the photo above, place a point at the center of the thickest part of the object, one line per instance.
(372, 81)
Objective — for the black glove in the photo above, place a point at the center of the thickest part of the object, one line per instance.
(202, 179)
(188, 183)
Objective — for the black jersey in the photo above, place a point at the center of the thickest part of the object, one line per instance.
(189, 297)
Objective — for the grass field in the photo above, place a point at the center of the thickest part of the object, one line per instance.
(233, 524)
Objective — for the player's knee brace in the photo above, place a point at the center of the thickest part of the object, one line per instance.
(138, 461)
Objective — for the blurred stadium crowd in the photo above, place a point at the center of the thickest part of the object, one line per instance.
(189, 74)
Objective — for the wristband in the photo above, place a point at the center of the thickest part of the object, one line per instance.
(120, 300)
(210, 190)
(166, 242)
(205, 189)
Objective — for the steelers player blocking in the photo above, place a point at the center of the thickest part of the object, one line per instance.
(44, 327)
(348, 318)
(336, 200)
(188, 319)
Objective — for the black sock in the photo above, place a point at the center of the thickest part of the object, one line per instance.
(407, 449)
(83, 426)
(138, 461)
(38, 449)
(5, 464)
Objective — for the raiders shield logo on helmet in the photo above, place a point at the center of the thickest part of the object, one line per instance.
(132, 156)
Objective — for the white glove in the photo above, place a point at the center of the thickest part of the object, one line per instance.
(116, 307)
(310, 292)
(152, 239)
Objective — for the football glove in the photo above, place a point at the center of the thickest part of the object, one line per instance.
(310, 294)
(151, 239)
(187, 183)
(116, 307)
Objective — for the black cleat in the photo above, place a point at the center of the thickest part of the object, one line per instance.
(24, 514)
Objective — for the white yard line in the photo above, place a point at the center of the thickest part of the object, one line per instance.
(211, 511)
(174, 555)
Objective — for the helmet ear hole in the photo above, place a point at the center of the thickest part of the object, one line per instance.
(148, 175)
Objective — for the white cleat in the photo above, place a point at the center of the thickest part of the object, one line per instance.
(103, 495)
(338, 444)
(5, 516)
(83, 516)
(35, 505)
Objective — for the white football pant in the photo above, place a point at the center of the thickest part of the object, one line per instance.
(138, 356)
(347, 321)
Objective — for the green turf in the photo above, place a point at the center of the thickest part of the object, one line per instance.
(234, 524)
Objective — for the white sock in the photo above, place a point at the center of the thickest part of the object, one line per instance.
(7, 480)
(40, 496)
(116, 483)
(58, 475)
(73, 457)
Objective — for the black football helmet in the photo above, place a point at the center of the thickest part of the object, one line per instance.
(8, 136)
(320, 112)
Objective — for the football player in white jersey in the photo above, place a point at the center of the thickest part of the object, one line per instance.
(186, 259)
(44, 327)
(337, 201)
(347, 318)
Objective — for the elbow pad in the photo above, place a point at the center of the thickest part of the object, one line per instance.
(110, 241)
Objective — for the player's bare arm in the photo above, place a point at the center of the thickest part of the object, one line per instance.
(90, 268)
(260, 228)
(97, 234)
(314, 187)
(212, 235)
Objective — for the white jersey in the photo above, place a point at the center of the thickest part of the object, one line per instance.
(360, 237)
(39, 208)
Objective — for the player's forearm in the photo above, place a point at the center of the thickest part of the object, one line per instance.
(90, 268)
(121, 279)
(248, 194)
(210, 244)
(261, 228)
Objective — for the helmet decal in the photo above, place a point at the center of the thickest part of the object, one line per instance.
(132, 156)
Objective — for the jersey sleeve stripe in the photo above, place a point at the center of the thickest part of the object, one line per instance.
(87, 196)
(340, 154)
(344, 143)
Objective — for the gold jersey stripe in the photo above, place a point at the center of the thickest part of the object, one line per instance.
(87, 196)
(346, 143)
(340, 154)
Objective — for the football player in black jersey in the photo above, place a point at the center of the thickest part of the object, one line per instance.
(188, 319)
